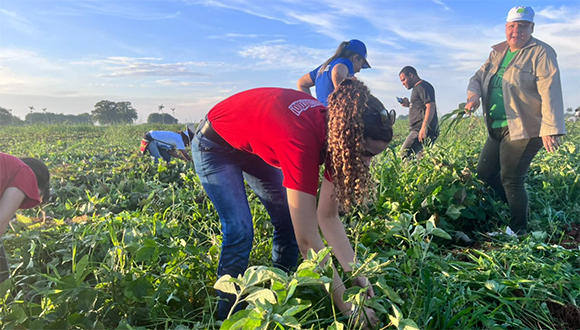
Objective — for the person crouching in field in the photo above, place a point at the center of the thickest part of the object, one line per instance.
(24, 184)
(166, 144)
(276, 139)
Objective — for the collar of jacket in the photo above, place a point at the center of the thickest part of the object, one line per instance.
(502, 46)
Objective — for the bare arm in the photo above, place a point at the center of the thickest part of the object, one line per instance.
(9, 203)
(430, 109)
(185, 155)
(304, 84)
(304, 218)
(334, 233)
(331, 226)
(339, 73)
(551, 142)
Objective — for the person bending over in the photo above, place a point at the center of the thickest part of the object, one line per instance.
(24, 184)
(276, 139)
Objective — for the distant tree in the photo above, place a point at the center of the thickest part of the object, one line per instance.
(83, 118)
(45, 116)
(173, 112)
(161, 107)
(6, 118)
(109, 112)
(35, 118)
(155, 118)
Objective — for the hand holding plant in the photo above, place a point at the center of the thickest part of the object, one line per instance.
(363, 282)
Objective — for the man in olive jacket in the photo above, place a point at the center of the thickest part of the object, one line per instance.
(519, 87)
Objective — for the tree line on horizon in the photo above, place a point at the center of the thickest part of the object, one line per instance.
(105, 113)
(115, 113)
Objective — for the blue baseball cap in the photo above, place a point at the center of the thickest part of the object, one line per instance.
(358, 47)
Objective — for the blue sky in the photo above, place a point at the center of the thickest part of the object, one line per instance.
(66, 56)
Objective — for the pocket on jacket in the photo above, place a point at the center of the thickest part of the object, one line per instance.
(524, 76)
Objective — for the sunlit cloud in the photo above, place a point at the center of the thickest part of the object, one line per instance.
(171, 82)
(123, 67)
(285, 56)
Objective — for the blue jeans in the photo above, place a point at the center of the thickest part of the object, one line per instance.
(158, 150)
(222, 170)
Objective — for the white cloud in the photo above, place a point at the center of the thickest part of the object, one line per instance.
(17, 22)
(442, 4)
(123, 67)
(125, 10)
(172, 82)
(285, 56)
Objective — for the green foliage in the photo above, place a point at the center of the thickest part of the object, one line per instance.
(6, 118)
(163, 118)
(58, 118)
(128, 244)
(109, 112)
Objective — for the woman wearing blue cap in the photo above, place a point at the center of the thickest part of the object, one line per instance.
(349, 58)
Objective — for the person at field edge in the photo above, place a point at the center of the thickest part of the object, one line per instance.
(520, 91)
(349, 58)
(166, 144)
(276, 139)
(423, 120)
(24, 184)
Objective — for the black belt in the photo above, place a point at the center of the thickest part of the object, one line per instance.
(210, 133)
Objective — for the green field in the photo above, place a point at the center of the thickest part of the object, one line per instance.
(126, 244)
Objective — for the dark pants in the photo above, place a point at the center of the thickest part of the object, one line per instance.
(412, 146)
(503, 165)
(4, 270)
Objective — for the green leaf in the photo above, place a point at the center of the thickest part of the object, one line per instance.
(147, 253)
(255, 275)
(297, 305)
(440, 233)
(138, 289)
(79, 271)
(261, 296)
(336, 326)
(391, 294)
(454, 212)
(491, 285)
(225, 284)
(308, 273)
(408, 324)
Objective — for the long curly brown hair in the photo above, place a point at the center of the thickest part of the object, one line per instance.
(353, 114)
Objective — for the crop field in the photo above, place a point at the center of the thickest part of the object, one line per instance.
(127, 244)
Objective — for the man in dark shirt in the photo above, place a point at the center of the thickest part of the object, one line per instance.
(423, 121)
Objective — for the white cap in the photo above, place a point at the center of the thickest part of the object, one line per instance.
(521, 13)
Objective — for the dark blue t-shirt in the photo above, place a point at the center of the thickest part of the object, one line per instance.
(323, 81)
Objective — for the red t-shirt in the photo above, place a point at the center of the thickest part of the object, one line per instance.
(284, 127)
(14, 173)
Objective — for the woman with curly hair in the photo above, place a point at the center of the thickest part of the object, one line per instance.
(276, 139)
